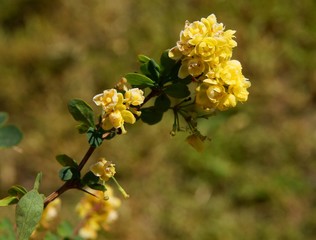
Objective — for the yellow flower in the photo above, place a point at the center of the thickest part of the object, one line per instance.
(192, 30)
(134, 97)
(193, 66)
(211, 24)
(175, 53)
(97, 213)
(108, 99)
(228, 101)
(230, 72)
(240, 91)
(209, 94)
(103, 169)
(117, 119)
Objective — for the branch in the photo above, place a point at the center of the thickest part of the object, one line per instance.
(72, 184)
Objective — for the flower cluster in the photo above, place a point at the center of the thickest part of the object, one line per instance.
(205, 51)
(119, 107)
(97, 212)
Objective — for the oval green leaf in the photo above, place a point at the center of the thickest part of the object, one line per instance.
(17, 191)
(162, 103)
(9, 200)
(177, 90)
(142, 58)
(154, 70)
(28, 213)
(65, 160)
(166, 63)
(69, 173)
(81, 112)
(139, 80)
(9, 136)
(89, 179)
(97, 186)
(151, 115)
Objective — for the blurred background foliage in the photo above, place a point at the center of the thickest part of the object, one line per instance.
(256, 179)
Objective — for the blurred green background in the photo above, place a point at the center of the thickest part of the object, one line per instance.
(256, 179)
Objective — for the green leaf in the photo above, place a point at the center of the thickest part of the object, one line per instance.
(3, 118)
(65, 160)
(68, 173)
(143, 58)
(177, 90)
(151, 69)
(82, 128)
(9, 200)
(6, 230)
(186, 80)
(17, 191)
(97, 186)
(9, 136)
(28, 213)
(154, 70)
(89, 179)
(38, 181)
(151, 115)
(139, 80)
(81, 112)
(166, 63)
(144, 69)
(162, 103)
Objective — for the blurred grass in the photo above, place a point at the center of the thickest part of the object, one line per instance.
(256, 179)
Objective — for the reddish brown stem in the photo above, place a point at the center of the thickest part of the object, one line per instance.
(86, 157)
